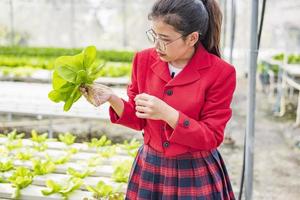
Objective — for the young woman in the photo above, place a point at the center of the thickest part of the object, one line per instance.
(180, 95)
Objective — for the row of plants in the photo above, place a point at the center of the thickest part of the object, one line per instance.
(291, 59)
(15, 141)
(23, 61)
(50, 53)
(27, 61)
(264, 67)
(17, 72)
(110, 70)
(21, 176)
(26, 66)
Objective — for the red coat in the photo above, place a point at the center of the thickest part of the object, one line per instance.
(201, 92)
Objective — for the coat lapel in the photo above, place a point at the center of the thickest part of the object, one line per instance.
(190, 73)
(161, 69)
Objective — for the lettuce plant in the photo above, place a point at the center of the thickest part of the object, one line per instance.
(6, 166)
(40, 146)
(14, 140)
(133, 144)
(103, 141)
(71, 171)
(70, 73)
(104, 191)
(20, 179)
(94, 161)
(38, 138)
(14, 135)
(14, 144)
(131, 147)
(60, 160)
(72, 150)
(107, 151)
(42, 167)
(121, 171)
(52, 188)
(65, 190)
(24, 155)
(67, 138)
(100, 190)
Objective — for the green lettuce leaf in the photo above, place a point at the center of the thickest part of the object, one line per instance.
(70, 73)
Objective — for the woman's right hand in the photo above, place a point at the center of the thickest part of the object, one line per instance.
(97, 94)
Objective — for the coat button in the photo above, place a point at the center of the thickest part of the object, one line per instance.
(186, 123)
(169, 92)
(166, 144)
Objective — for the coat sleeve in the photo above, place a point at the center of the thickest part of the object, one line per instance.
(128, 117)
(208, 132)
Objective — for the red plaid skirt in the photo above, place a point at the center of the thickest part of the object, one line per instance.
(191, 176)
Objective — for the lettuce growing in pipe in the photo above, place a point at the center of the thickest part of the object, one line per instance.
(70, 73)
(104, 191)
(21, 178)
(64, 190)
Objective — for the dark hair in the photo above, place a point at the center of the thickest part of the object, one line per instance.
(187, 16)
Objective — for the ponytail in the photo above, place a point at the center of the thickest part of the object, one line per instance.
(211, 40)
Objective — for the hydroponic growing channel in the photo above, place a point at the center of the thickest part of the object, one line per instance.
(51, 169)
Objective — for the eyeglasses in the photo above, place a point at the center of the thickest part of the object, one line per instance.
(153, 38)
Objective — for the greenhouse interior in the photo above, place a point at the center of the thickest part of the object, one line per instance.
(59, 140)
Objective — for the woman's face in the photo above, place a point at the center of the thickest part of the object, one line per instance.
(175, 44)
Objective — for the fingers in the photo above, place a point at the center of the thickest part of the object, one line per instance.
(142, 115)
(83, 92)
(96, 95)
(82, 89)
(143, 96)
(142, 109)
(86, 92)
(143, 106)
(99, 86)
(141, 102)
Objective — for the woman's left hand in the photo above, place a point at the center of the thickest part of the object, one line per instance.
(151, 107)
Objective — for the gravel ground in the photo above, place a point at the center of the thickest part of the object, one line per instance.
(276, 160)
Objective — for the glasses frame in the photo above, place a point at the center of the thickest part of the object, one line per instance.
(161, 44)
